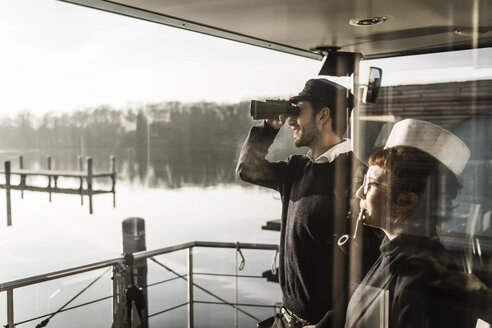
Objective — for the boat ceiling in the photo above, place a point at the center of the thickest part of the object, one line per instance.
(300, 26)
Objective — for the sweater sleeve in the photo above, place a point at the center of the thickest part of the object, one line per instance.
(252, 165)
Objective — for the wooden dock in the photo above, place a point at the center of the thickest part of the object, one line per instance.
(273, 225)
(82, 175)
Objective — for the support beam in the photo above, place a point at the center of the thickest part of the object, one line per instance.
(10, 308)
(191, 315)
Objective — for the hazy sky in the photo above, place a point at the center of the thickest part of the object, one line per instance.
(59, 57)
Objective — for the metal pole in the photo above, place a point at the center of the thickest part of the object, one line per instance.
(10, 308)
(7, 190)
(116, 308)
(191, 323)
(236, 289)
(48, 159)
(355, 252)
(354, 128)
(119, 300)
(89, 182)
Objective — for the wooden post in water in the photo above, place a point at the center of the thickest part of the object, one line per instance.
(112, 160)
(23, 177)
(81, 168)
(81, 162)
(7, 190)
(48, 159)
(89, 182)
(134, 241)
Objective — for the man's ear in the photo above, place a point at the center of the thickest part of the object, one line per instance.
(323, 115)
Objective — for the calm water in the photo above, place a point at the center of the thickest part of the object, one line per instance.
(52, 236)
(156, 164)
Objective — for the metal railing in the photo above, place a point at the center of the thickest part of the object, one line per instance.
(120, 265)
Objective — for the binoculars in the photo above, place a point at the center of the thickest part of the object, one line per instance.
(261, 110)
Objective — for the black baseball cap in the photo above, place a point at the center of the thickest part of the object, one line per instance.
(325, 91)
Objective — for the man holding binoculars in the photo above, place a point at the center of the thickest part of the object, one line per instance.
(315, 189)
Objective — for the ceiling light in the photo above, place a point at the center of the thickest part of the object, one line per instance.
(368, 21)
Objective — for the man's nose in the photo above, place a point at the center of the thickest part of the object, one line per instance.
(360, 193)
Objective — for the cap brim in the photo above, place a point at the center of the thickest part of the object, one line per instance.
(296, 99)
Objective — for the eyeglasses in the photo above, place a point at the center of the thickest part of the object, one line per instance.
(368, 184)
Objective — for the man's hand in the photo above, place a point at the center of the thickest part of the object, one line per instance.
(276, 123)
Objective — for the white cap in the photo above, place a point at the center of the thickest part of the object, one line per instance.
(432, 139)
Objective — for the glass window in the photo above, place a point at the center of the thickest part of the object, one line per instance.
(120, 135)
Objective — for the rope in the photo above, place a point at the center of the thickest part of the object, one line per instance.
(274, 263)
(243, 261)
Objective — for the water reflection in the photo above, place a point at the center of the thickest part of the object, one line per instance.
(165, 144)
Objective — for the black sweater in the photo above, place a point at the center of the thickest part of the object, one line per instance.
(407, 283)
(314, 211)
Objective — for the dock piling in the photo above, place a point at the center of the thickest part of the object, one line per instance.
(7, 190)
(23, 177)
(89, 182)
(52, 185)
(112, 160)
(134, 241)
(81, 168)
(48, 160)
(81, 162)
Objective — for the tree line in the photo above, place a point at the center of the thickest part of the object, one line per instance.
(169, 143)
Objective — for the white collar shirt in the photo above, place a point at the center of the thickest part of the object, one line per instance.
(329, 156)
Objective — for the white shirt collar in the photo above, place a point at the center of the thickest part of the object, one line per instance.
(329, 156)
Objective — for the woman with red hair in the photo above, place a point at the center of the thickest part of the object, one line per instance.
(408, 190)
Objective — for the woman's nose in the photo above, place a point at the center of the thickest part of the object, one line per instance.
(360, 193)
